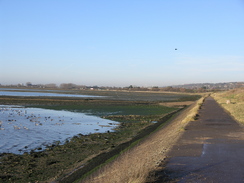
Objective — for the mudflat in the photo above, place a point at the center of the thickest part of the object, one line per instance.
(210, 150)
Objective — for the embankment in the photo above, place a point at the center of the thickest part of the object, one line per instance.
(104, 157)
(135, 164)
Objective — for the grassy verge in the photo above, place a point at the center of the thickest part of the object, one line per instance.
(136, 164)
(233, 102)
(192, 115)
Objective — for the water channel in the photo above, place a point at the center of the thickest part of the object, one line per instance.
(42, 94)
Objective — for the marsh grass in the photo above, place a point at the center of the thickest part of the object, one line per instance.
(236, 105)
(137, 164)
(103, 109)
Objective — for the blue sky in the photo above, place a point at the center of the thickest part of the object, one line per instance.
(121, 43)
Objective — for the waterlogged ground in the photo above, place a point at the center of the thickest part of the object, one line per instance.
(25, 129)
(41, 94)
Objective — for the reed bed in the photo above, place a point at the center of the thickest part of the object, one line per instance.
(136, 164)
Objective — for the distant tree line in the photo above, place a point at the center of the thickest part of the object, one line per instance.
(189, 88)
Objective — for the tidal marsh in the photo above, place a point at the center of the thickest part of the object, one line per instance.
(58, 160)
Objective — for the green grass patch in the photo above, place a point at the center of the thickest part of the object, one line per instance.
(105, 110)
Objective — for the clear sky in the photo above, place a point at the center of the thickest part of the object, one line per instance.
(121, 42)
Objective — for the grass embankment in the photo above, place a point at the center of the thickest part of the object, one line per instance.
(136, 164)
(233, 102)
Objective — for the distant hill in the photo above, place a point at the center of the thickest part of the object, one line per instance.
(212, 86)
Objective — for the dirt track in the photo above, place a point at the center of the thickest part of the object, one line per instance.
(210, 150)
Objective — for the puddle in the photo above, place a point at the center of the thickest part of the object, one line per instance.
(25, 129)
(204, 149)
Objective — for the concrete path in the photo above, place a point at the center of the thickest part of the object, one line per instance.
(210, 150)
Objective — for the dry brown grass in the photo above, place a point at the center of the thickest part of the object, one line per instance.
(176, 104)
(233, 102)
(134, 165)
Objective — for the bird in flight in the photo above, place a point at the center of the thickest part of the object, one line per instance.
(175, 48)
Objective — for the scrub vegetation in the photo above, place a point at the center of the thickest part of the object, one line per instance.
(233, 102)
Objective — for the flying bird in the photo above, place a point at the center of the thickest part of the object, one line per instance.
(175, 48)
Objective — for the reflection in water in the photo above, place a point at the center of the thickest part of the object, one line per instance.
(23, 129)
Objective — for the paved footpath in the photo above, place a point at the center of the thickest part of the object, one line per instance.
(211, 149)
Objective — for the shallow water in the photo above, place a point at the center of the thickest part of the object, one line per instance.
(40, 94)
(25, 129)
